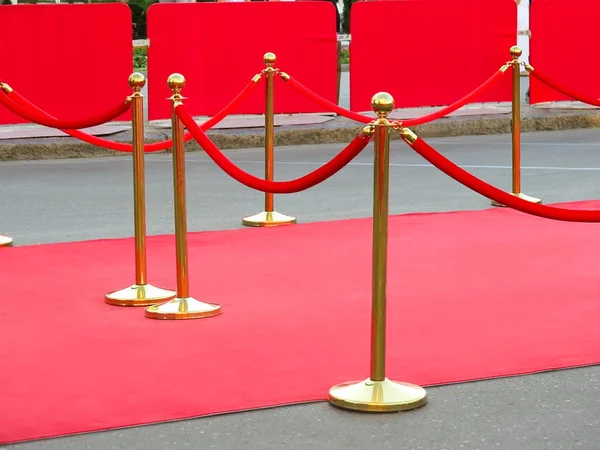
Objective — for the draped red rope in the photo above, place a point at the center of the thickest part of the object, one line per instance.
(326, 103)
(15, 98)
(299, 87)
(457, 104)
(563, 90)
(493, 193)
(276, 187)
(24, 110)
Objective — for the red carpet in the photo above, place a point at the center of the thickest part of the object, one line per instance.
(471, 295)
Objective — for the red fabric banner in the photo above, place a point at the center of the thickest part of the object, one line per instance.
(429, 52)
(564, 46)
(219, 47)
(72, 61)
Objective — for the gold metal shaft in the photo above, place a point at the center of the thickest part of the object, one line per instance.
(269, 217)
(515, 53)
(182, 306)
(139, 187)
(377, 393)
(180, 201)
(516, 122)
(141, 293)
(269, 129)
(380, 235)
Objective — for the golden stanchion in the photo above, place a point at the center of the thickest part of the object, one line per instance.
(6, 241)
(515, 53)
(141, 293)
(377, 393)
(269, 217)
(183, 306)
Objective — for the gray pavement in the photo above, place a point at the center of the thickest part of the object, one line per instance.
(68, 200)
(552, 411)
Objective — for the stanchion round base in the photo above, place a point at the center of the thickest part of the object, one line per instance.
(377, 396)
(139, 295)
(6, 241)
(522, 196)
(183, 308)
(268, 219)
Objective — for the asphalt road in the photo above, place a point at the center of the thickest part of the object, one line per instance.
(68, 200)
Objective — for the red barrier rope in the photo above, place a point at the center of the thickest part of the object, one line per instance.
(492, 192)
(457, 104)
(411, 122)
(125, 147)
(323, 101)
(276, 187)
(563, 90)
(25, 109)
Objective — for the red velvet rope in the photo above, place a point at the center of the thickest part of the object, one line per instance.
(493, 193)
(326, 103)
(125, 147)
(26, 110)
(276, 187)
(563, 90)
(456, 105)
(411, 122)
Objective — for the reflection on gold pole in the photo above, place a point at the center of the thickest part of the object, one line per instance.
(269, 217)
(141, 293)
(5, 241)
(515, 53)
(183, 306)
(377, 393)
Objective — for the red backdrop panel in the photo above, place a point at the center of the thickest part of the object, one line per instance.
(71, 60)
(564, 45)
(219, 47)
(429, 52)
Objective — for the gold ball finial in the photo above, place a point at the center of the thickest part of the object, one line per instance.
(515, 52)
(176, 82)
(270, 59)
(382, 103)
(368, 131)
(137, 81)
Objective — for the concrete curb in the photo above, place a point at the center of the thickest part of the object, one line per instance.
(338, 131)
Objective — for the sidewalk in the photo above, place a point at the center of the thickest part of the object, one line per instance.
(28, 142)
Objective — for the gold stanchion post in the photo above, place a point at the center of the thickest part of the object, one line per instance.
(269, 217)
(182, 306)
(141, 293)
(6, 241)
(515, 53)
(377, 393)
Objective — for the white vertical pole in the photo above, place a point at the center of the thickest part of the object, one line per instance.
(523, 29)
